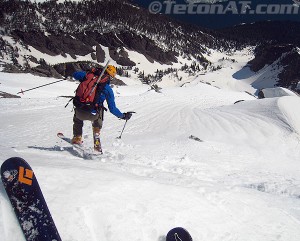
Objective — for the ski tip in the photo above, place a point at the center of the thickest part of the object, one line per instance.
(59, 134)
(12, 163)
(178, 234)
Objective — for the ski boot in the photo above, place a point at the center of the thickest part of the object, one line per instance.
(77, 140)
(97, 142)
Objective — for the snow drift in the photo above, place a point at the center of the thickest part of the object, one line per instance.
(277, 92)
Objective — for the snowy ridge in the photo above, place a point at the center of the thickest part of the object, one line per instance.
(240, 183)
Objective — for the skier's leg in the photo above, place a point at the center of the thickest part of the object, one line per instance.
(97, 126)
(77, 130)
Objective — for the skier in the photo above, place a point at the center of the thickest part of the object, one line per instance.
(96, 115)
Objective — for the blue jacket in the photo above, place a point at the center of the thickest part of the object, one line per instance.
(106, 94)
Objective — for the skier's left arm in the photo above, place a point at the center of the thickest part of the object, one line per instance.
(110, 99)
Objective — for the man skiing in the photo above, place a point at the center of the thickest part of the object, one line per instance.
(95, 114)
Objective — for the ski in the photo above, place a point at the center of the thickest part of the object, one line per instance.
(80, 150)
(27, 200)
(68, 140)
(178, 234)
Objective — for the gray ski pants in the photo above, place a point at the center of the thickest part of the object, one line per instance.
(80, 116)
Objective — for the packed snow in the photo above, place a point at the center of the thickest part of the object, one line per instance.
(238, 180)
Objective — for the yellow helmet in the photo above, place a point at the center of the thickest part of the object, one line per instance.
(111, 70)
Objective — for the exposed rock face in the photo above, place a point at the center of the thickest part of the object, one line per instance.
(65, 44)
(53, 44)
(7, 95)
(286, 56)
(67, 70)
(267, 54)
(92, 30)
(290, 76)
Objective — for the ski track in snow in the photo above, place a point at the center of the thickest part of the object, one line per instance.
(241, 183)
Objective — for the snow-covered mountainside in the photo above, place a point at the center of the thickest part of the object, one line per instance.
(189, 157)
(36, 37)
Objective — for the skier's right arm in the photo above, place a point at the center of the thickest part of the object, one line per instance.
(79, 75)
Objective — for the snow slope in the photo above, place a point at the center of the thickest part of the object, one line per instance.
(241, 182)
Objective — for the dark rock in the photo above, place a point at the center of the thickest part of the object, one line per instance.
(73, 56)
(53, 44)
(267, 54)
(8, 95)
(290, 76)
(261, 94)
(121, 57)
(100, 54)
(286, 55)
(70, 68)
(10, 68)
(146, 47)
(45, 71)
(93, 56)
(86, 39)
(116, 81)
(33, 59)
(67, 69)
(132, 41)
(61, 69)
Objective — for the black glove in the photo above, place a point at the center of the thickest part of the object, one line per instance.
(127, 115)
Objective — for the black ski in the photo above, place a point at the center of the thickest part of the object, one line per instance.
(28, 201)
(178, 234)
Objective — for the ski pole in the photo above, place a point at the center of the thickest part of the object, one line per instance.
(22, 91)
(122, 130)
(99, 78)
(119, 137)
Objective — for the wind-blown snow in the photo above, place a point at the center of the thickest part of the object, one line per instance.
(240, 183)
(277, 92)
(287, 106)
